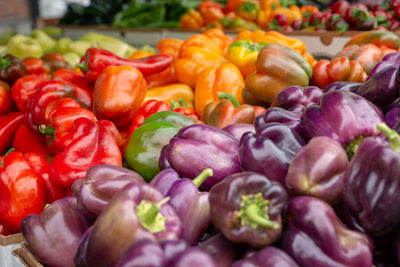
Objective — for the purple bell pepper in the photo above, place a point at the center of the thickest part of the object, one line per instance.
(318, 170)
(148, 253)
(296, 98)
(101, 183)
(267, 257)
(315, 237)
(371, 188)
(200, 146)
(270, 150)
(238, 129)
(392, 116)
(392, 59)
(54, 235)
(344, 86)
(138, 211)
(344, 117)
(191, 205)
(246, 207)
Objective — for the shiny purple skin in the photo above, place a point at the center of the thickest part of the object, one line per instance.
(318, 170)
(342, 116)
(283, 116)
(344, 86)
(297, 97)
(315, 237)
(270, 150)
(392, 59)
(392, 116)
(118, 226)
(193, 257)
(144, 253)
(267, 257)
(372, 186)
(200, 146)
(238, 129)
(101, 183)
(191, 205)
(163, 161)
(382, 88)
(223, 251)
(54, 235)
(225, 202)
(80, 256)
(396, 249)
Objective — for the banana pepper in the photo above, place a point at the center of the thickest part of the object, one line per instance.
(170, 93)
(278, 67)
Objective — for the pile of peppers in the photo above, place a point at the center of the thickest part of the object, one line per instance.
(129, 162)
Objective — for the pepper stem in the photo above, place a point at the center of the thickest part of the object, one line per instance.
(174, 104)
(352, 147)
(4, 62)
(46, 130)
(255, 215)
(392, 135)
(150, 216)
(202, 177)
(230, 97)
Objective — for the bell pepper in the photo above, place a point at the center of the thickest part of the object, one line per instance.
(73, 77)
(208, 147)
(27, 141)
(270, 150)
(246, 207)
(118, 94)
(191, 20)
(191, 205)
(171, 92)
(240, 24)
(316, 237)
(35, 66)
(278, 67)
(140, 54)
(181, 107)
(11, 68)
(145, 143)
(22, 190)
(376, 162)
(210, 11)
(8, 126)
(391, 59)
(222, 39)
(238, 129)
(170, 46)
(225, 78)
(93, 143)
(54, 235)
(318, 169)
(102, 182)
(292, 13)
(344, 86)
(268, 256)
(55, 61)
(248, 10)
(97, 59)
(6, 103)
(326, 72)
(24, 46)
(392, 116)
(378, 38)
(24, 88)
(309, 9)
(297, 98)
(227, 111)
(341, 116)
(137, 212)
(244, 54)
(163, 78)
(367, 55)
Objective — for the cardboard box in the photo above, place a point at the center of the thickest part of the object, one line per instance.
(7, 245)
(26, 257)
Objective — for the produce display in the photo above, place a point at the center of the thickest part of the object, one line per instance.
(211, 151)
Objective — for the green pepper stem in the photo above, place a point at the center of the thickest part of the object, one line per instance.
(174, 104)
(9, 151)
(392, 135)
(46, 130)
(202, 177)
(230, 97)
(182, 102)
(4, 62)
(253, 212)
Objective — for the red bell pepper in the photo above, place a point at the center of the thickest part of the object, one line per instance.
(4, 230)
(36, 66)
(97, 59)
(181, 108)
(5, 98)
(93, 143)
(8, 126)
(73, 77)
(22, 190)
(27, 141)
(55, 61)
(24, 88)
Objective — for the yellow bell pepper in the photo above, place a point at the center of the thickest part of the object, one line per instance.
(170, 93)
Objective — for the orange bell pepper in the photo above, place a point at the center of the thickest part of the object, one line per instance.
(118, 94)
(292, 13)
(163, 78)
(170, 46)
(210, 11)
(140, 54)
(269, 4)
(191, 20)
(309, 9)
(218, 36)
(170, 93)
(232, 5)
(367, 55)
(225, 78)
(201, 41)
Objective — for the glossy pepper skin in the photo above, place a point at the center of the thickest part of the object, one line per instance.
(24, 88)
(137, 212)
(92, 143)
(342, 116)
(27, 141)
(209, 147)
(8, 126)
(316, 237)
(238, 129)
(102, 182)
(380, 161)
(145, 143)
(296, 98)
(54, 235)
(6, 104)
(73, 77)
(270, 150)
(191, 20)
(11, 68)
(392, 59)
(246, 207)
(97, 59)
(379, 38)
(345, 86)
(269, 79)
(267, 257)
(170, 93)
(118, 94)
(318, 169)
(190, 204)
